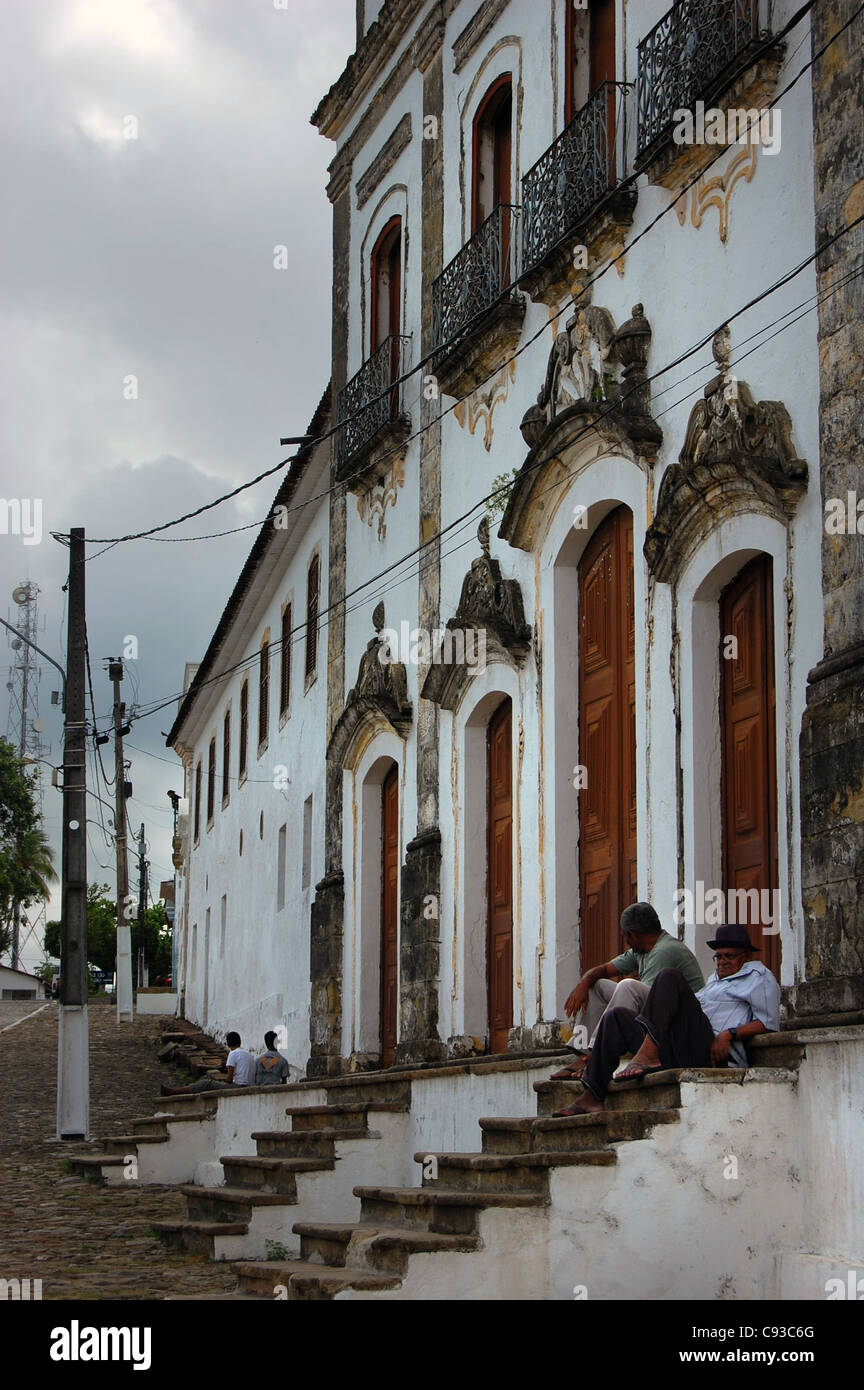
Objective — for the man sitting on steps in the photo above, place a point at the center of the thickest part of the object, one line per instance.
(677, 1028)
(650, 950)
(239, 1071)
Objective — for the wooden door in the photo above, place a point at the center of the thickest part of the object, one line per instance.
(389, 915)
(499, 954)
(607, 737)
(748, 748)
(601, 65)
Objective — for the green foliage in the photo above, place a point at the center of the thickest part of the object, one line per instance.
(497, 506)
(102, 934)
(26, 859)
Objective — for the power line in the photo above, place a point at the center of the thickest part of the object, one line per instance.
(631, 178)
(299, 631)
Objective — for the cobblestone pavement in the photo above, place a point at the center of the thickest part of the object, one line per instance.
(82, 1240)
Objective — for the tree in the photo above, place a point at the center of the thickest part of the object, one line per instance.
(102, 934)
(26, 858)
(101, 929)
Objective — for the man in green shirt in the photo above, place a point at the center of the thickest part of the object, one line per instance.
(649, 950)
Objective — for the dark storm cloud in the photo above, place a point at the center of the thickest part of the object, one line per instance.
(152, 257)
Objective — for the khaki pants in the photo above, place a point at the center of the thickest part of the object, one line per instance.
(606, 994)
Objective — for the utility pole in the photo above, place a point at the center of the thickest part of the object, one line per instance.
(73, 1069)
(142, 904)
(124, 931)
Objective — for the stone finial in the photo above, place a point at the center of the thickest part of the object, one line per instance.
(483, 535)
(722, 347)
(378, 619)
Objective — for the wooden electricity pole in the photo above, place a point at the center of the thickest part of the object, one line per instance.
(124, 931)
(73, 1062)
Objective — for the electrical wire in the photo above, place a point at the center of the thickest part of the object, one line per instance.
(298, 633)
(428, 359)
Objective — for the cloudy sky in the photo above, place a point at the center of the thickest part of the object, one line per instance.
(154, 153)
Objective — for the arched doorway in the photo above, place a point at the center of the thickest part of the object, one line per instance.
(748, 747)
(389, 915)
(499, 952)
(607, 736)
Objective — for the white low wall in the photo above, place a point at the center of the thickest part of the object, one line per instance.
(165, 1004)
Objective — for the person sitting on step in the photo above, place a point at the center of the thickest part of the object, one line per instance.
(272, 1067)
(677, 1028)
(239, 1071)
(649, 950)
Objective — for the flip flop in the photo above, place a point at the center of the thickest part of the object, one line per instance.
(636, 1073)
(568, 1074)
(575, 1109)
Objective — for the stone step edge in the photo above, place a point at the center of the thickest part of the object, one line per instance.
(307, 1135)
(500, 1163)
(237, 1196)
(275, 1164)
(450, 1196)
(335, 1276)
(375, 1236)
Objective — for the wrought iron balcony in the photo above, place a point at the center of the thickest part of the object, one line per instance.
(684, 57)
(366, 407)
(475, 279)
(571, 178)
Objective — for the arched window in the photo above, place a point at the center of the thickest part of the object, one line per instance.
(211, 780)
(198, 802)
(386, 307)
(590, 57)
(492, 178)
(242, 751)
(313, 586)
(264, 691)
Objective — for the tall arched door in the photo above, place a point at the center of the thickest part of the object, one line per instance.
(607, 737)
(389, 915)
(499, 952)
(748, 749)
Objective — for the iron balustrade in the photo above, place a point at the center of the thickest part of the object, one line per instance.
(571, 178)
(476, 278)
(683, 56)
(367, 399)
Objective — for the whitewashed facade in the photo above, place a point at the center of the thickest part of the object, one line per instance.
(558, 386)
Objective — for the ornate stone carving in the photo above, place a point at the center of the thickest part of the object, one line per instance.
(591, 366)
(737, 456)
(717, 192)
(381, 691)
(373, 501)
(595, 400)
(480, 405)
(489, 604)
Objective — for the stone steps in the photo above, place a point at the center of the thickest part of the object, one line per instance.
(306, 1281)
(384, 1248)
(275, 1175)
(485, 1172)
(304, 1143)
(577, 1133)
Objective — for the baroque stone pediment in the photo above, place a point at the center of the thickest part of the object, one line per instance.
(489, 606)
(381, 692)
(595, 394)
(737, 456)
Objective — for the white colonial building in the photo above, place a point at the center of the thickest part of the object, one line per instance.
(575, 409)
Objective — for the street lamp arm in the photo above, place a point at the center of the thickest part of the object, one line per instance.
(54, 663)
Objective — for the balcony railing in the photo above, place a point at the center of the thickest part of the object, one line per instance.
(682, 58)
(475, 279)
(571, 178)
(367, 399)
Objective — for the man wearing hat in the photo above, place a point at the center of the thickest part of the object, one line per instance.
(677, 1028)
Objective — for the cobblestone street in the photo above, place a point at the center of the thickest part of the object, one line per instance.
(82, 1240)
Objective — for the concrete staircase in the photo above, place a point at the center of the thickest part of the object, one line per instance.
(255, 1210)
(117, 1158)
(400, 1227)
